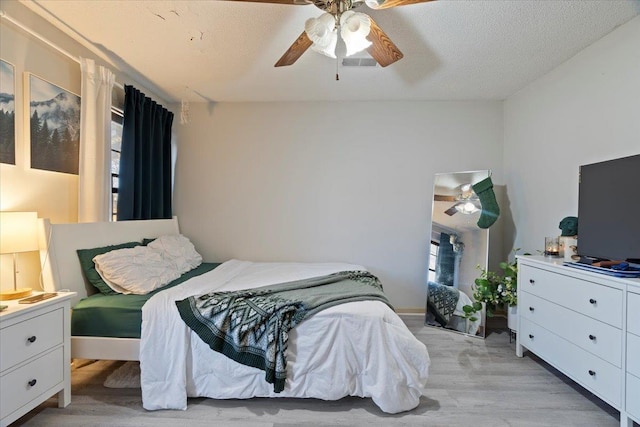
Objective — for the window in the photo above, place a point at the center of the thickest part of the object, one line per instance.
(116, 147)
(433, 261)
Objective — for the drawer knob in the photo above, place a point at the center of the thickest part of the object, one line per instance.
(32, 382)
(530, 336)
(532, 281)
(32, 339)
(592, 373)
(531, 309)
(592, 337)
(592, 301)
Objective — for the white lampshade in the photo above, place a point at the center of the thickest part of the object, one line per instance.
(322, 32)
(354, 29)
(18, 232)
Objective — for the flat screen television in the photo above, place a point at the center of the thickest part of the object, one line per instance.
(609, 210)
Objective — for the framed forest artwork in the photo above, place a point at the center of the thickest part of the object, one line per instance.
(7, 113)
(54, 130)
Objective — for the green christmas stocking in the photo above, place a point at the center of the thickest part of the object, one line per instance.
(490, 208)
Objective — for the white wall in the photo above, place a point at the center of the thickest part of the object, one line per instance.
(587, 110)
(349, 181)
(49, 193)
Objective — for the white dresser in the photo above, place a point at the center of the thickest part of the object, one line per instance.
(35, 355)
(633, 353)
(586, 326)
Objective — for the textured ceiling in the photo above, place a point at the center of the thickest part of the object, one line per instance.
(225, 50)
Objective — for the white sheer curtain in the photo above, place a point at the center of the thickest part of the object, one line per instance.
(94, 183)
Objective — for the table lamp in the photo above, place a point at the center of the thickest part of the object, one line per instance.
(18, 233)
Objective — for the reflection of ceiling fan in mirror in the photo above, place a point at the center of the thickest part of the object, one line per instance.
(466, 201)
(357, 30)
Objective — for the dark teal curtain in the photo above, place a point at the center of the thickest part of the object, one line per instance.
(446, 261)
(144, 184)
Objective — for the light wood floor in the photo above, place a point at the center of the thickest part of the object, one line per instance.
(472, 383)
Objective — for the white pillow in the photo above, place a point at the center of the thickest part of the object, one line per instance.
(142, 269)
(178, 250)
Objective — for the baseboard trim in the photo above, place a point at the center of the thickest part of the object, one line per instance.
(409, 310)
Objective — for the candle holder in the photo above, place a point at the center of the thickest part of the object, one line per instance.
(551, 247)
(568, 247)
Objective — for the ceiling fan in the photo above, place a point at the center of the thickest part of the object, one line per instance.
(466, 202)
(357, 30)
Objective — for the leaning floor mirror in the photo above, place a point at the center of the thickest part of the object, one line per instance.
(458, 246)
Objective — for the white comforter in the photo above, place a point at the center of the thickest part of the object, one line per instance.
(353, 349)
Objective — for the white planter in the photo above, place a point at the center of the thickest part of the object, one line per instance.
(512, 317)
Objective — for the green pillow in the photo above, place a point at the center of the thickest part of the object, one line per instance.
(86, 262)
(145, 242)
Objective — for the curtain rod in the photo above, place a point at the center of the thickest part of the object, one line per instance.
(44, 40)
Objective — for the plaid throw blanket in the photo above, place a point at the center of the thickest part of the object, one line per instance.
(252, 326)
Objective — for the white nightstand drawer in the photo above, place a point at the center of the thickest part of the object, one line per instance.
(633, 354)
(598, 338)
(593, 373)
(591, 299)
(633, 395)
(633, 313)
(26, 339)
(28, 382)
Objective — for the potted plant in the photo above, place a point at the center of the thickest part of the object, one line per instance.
(495, 290)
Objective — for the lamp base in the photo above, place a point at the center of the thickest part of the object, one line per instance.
(18, 293)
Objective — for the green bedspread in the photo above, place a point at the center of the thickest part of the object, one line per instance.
(252, 326)
(118, 315)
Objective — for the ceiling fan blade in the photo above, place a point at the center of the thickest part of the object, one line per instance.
(452, 210)
(442, 198)
(382, 48)
(386, 4)
(293, 2)
(295, 51)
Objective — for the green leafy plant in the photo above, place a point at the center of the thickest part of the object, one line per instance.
(471, 310)
(494, 289)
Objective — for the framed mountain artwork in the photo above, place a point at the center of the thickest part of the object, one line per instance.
(7, 113)
(54, 130)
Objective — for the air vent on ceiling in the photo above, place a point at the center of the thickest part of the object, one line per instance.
(359, 62)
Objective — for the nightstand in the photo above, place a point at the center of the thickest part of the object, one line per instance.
(35, 355)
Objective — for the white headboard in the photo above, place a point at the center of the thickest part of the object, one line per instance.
(59, 242)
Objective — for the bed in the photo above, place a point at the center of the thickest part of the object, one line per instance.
(359, 348)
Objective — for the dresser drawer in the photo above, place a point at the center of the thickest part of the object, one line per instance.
(591, 372)
(596, 337)
(633, 354)
(633, 396)
(44, 373)
(591, 299)
(633, 313)
(33, 336)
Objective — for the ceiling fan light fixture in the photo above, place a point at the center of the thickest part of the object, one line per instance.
(328, 48)
(467, 208)
(322, 32)
(374, 4)
(354, 29)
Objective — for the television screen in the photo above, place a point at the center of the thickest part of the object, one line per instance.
(609, 210)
